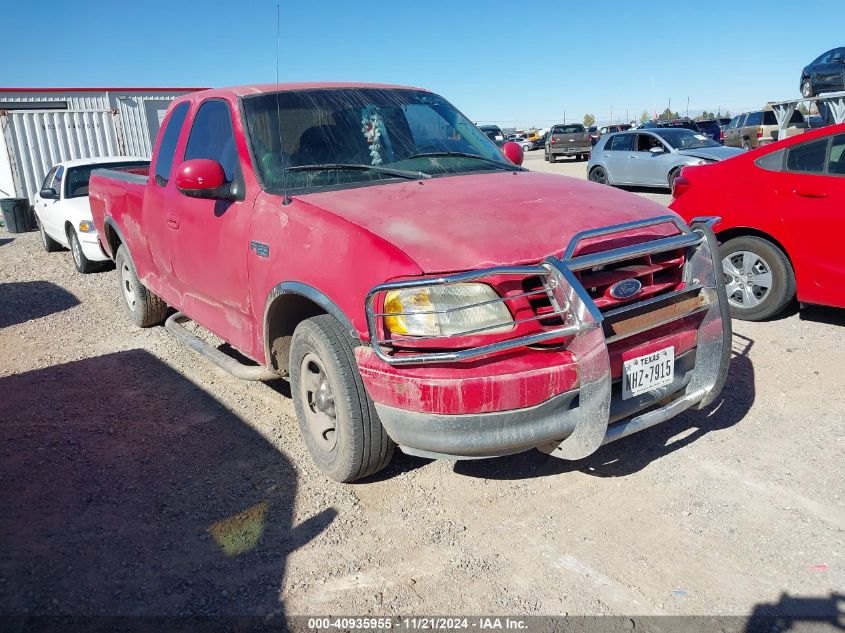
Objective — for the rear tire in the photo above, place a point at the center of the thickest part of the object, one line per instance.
(759, 280)
(746, 144)
(552, 158)
(143, 307)
(50, 245)
(337, 419)
(82, 263)
(599, 175)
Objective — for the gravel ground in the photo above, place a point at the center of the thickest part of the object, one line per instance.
(137, 478)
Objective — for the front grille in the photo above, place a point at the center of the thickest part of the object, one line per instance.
(659, 273)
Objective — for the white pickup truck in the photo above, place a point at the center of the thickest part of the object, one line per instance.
(63, 212)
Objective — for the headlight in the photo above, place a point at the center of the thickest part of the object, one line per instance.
(447, 310)
(87, 226)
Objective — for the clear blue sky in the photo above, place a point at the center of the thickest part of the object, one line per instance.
(497, 61)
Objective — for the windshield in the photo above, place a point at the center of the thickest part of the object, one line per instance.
(76, 181)
(681, 138)
(347, 130)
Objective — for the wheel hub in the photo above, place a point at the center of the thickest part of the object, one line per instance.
(748, 279)
(126, 285)
(318, 402)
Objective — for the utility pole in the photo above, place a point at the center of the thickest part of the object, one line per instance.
(653, 98)
(687, 107)
(611, 113)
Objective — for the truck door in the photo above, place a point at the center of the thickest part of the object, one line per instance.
(208, 240)
(158, 200)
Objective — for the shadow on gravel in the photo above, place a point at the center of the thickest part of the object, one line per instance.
(22, 301)
(632, 454)
(792, 613)
(128, 490)
(6, 240)
(820, 314)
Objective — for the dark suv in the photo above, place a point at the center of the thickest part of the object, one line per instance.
(826, 73)
(714, 128)
(685, 123)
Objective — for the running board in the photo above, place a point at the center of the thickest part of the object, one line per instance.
(227, 363)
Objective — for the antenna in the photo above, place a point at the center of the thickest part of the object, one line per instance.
(285, 199)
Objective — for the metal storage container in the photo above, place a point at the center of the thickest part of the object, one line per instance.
(40, 127)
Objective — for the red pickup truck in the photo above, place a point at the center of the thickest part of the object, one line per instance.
(417, 288)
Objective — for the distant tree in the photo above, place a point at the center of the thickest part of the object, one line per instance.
(589, 119)
(803, 109)
(668, 114)
(644, 116)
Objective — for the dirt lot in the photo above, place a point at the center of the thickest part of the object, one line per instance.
(136, 478)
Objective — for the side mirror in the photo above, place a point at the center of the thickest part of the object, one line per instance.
(656, 150)
(513, 152)
(49, 194)
(202, 178)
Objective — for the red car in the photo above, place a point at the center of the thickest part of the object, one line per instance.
(783, 214)
(418, 289)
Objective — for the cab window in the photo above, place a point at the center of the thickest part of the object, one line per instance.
(167, 148)
(212, 136)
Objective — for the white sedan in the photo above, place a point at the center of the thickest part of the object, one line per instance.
(63, 212)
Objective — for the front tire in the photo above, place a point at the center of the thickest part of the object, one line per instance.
(337, 419)
(759, 280)
(143, 307)
(82, 263)
(673, 176)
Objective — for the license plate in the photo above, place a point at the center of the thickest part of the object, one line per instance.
(648, 372)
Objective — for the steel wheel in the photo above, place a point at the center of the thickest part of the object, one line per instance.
(599, 175)
(127, 286)
(318, 397)
(748, 279)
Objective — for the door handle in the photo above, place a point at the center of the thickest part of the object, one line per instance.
(172, 220)
(809, 194)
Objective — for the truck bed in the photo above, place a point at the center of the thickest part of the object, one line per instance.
(119, 194)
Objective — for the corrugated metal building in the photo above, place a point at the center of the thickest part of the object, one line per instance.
(43, 126)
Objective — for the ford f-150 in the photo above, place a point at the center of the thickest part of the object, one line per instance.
(416, 287)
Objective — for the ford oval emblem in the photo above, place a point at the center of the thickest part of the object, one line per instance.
(625, 289)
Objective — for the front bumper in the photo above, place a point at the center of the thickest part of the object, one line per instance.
(572, 150)
(573, 423)
(90, 244)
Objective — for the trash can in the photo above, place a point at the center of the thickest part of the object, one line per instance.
(17, 215)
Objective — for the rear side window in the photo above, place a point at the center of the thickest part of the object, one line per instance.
(773, 161)
(836, 162)
(807, 157)
(212, 136)
(754, 118)
(769, 118)
(620, 143)
(167, 148)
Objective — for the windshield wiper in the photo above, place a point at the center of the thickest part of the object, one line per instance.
(400, 173)
(465, 155)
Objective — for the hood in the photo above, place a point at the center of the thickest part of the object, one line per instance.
(712, 153)
(457, 223)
